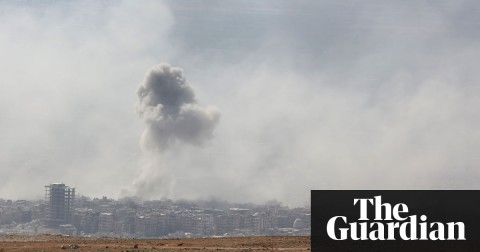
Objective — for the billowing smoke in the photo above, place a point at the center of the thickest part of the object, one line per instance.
(172, 116)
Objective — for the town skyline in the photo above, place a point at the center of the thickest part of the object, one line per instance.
(63, 212)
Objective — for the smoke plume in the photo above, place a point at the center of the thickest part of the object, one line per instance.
(172, 116)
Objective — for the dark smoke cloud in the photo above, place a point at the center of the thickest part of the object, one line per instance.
(167, 104)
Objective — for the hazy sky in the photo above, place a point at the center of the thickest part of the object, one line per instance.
(312, 95)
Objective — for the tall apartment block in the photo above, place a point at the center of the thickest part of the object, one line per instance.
(59, 200)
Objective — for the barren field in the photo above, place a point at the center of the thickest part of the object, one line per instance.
(64, 243)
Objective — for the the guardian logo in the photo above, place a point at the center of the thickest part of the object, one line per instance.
(391, 223)
(395, 220)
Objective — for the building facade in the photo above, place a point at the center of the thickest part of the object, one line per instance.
(59, 201)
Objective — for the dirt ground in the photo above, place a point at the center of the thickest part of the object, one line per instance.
(72, 243)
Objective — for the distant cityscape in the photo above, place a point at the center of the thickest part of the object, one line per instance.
(62, 212)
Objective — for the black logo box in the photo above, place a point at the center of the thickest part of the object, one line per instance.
(438, 205)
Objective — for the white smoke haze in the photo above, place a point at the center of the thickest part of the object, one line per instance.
(66, 92)
(313, 95)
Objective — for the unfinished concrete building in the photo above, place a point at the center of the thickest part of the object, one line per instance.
(59, 200)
